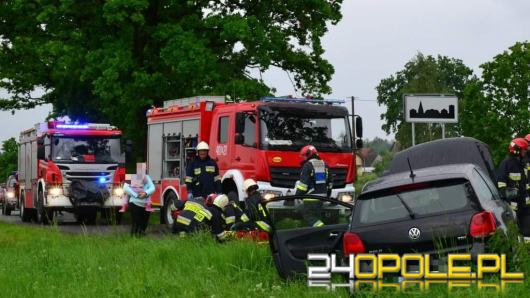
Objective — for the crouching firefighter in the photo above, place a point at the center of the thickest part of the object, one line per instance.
(314, 179)
(195, 216)
(511, 175)
(254, 216)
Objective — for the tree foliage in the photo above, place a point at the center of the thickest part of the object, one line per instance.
(109, 60)
(422, 74)
(8, 158)
(496, 108)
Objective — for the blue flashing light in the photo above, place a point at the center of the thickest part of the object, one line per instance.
(72, 126)
(303, 100)
(102, 180)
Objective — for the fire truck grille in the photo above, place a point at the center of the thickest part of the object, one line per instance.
(87, 176)
(287, 177)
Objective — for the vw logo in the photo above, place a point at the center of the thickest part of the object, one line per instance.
(414, 233)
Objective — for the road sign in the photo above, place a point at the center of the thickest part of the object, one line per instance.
(431, 109)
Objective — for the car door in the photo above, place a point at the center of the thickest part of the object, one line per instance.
(293, 236)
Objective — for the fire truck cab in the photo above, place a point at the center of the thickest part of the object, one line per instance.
(258, 139)
(71, 167)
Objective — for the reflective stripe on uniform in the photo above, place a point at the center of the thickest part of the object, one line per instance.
(318, 223)
(189, 179)
(514, 176)
(197, 171)
(222, 235)
(501, 184)
(244, 218)
(264, 226)
(301, 186)
(199, 210)
(230, 220)
(217, 178)
(210, 169)
(183, 220)
(260, 208)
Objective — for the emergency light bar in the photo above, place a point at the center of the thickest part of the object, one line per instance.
(303, 100)
(71, 126)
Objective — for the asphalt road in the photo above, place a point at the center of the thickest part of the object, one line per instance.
(66, 223)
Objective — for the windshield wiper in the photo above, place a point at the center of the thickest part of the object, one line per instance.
(411, 213)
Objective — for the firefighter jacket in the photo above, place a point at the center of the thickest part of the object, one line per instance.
(195, 215)
(202, 177)
(255, 212)
(511, 176)
(314, 178)
(233, 214)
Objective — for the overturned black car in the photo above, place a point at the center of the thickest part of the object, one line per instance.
(438, 197)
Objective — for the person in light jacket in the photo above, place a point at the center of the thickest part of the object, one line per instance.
(138, 201)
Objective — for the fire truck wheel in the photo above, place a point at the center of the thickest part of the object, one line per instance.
(44, 215)
(25, 214)
(165, 211)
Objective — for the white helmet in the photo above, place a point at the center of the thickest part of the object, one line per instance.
(221, 201)
(248, 183)
(203, 146)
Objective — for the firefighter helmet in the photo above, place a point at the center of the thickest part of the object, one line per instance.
(248, 184)
(210, 198)
(221, 201)
(517, 145)
(203, 146)
(308, 151)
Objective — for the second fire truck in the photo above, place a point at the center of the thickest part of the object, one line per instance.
(258, 140)
(71, 167)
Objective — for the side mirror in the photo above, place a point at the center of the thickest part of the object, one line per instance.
(358, 143)
(239, 139)
(358, 126)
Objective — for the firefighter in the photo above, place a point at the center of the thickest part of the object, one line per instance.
(314, 179)
(233, 213)
(255, 215)
(527, 157)
(202, 175)
(511, 177)
(195, 216)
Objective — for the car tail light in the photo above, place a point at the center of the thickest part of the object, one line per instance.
(482, 224)
(352, 244)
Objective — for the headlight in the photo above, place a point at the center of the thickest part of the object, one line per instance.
(345, 197)
(118, 191)
(55, 191)
(270, 194)
(10, 195)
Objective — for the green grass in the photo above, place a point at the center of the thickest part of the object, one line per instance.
(37, 262)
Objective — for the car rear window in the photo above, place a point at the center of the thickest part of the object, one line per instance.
(422, 200)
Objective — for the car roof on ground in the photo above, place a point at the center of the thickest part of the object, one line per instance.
(444, 152)
(453, 171)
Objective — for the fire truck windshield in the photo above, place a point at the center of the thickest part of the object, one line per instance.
(288, 131)
(86, 149)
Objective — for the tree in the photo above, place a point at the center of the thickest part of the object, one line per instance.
(110, 60)
(496, 108)
(8, 158)
(422, 74)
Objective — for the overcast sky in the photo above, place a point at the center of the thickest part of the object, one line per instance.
(377, 37)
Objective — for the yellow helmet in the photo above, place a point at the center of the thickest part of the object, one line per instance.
(221, 201)
(203, 146)
(248, 183)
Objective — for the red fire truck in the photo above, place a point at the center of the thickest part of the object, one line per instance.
(72, 167)
(258, 140)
